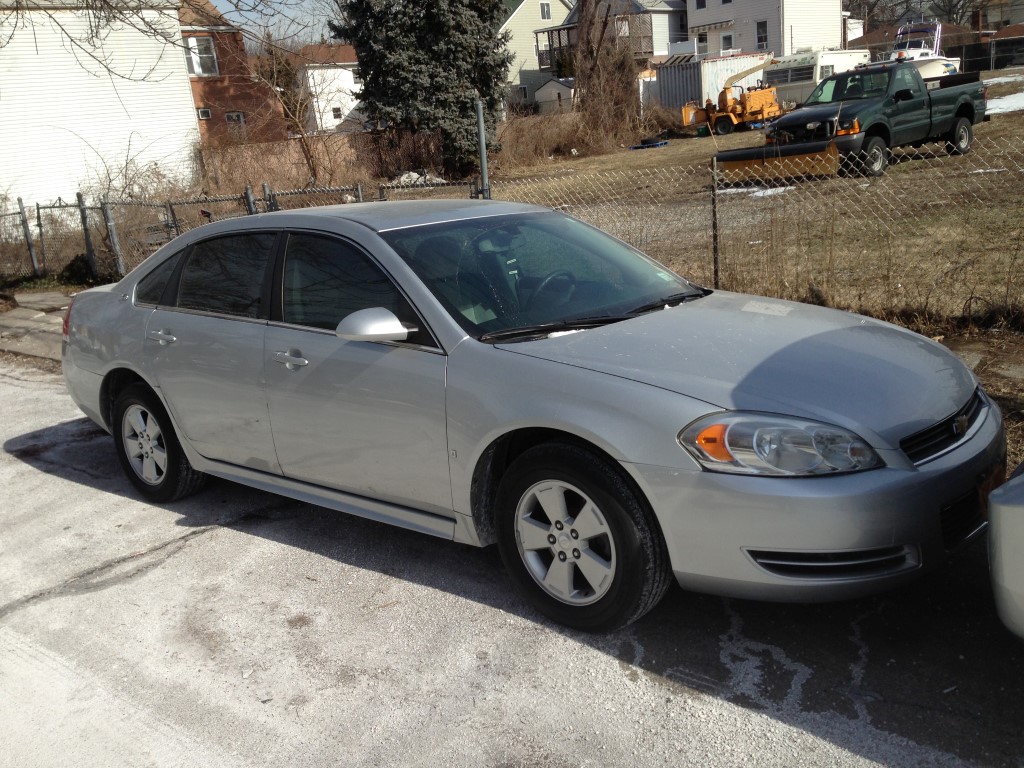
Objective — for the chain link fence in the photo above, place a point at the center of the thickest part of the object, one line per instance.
(936, 234)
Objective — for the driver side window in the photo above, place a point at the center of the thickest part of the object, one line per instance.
(326, 279)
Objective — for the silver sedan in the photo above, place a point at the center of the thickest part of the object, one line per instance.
(499, 373)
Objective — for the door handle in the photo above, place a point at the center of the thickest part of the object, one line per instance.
(162, 336)
(292, 359)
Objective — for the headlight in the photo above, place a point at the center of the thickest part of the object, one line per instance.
(847, 126)
(764, 444)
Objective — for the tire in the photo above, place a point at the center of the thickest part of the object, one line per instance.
(960, 137)
(577, 540)
(723, 126)
(148, 449)
(874, 157)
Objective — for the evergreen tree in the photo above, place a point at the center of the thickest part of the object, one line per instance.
(423, 64)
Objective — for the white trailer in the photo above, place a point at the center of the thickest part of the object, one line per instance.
(794, 76)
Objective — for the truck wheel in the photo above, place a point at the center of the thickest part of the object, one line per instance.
(577, 540)
(874, 156)
(723, 126)
(960, 138)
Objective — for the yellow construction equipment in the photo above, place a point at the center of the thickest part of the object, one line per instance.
(753, 105)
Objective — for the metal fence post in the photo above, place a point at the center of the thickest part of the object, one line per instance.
(383, 193)
(250, 201)
(115, 244)
(270, 198)
(42, 240)
(714, 220)
(172, 219)
(359, 192)
(28, 239)
(90, 253)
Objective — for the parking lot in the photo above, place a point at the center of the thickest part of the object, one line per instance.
(240, 628)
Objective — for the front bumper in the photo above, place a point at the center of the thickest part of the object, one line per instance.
(1006, 551)
(824, 538)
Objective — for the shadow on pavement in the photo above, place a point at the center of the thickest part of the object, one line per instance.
(929, 663)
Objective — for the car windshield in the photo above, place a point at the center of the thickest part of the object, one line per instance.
(855, 84)
(536, 271)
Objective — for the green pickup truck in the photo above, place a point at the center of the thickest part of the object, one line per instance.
(867, 111)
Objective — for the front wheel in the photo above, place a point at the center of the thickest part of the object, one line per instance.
(578, 541)
(148, 449)
(960, 137)
(874, 156)
(724, 126)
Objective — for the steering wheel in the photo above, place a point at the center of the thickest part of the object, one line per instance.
(550, 277)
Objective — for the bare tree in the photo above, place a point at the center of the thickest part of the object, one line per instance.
(881, 13)
(606, 86)
(960, 12)
(157, 20)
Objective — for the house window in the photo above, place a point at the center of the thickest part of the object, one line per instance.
(235, 118)
(726, 2)
(762, 35)
(204, 113)
(336, 112)
(523, 93)
(545, 10)
(701, 4)
(727, 41)
(702, 43)
(200, 57)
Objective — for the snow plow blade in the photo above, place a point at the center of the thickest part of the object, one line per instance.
(776, 162)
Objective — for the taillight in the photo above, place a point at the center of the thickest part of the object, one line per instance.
(67, 319)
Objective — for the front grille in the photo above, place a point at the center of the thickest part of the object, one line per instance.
(860, 563)
(798, 134)
(930, 442)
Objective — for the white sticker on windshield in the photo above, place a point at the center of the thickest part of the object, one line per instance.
(767, 308)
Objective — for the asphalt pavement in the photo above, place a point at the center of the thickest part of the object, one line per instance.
(238, 628)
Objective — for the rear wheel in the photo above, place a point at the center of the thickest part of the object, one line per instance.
(724, 126)
(577, 540)
(148, 449)
(960, 137)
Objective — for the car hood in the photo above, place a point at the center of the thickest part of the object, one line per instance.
(745, 352)
(823, 113)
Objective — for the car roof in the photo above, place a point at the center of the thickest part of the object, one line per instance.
(399, 214)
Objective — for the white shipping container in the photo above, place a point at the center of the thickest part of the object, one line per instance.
(702, 79)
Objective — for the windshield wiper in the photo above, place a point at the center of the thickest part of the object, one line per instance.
(542, 329)
(664, 301)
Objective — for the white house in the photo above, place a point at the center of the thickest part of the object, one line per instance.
(329, 85)
(81, 112)
(780, 26)
(525, 16)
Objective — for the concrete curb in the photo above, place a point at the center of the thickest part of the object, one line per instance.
(34, 326)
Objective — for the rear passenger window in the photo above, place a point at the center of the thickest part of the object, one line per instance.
(151, 287)
(226, 275)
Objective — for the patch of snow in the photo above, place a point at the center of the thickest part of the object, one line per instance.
(1013, 102)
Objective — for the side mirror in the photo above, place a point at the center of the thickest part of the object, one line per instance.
(373, 324)
(904, 94)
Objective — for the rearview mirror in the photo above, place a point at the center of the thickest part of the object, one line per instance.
(373, 324)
